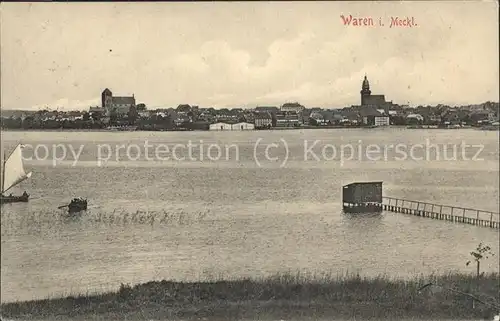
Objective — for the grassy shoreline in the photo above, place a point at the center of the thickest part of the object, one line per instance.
(283, 296)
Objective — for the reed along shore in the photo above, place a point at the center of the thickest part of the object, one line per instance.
(280, 297)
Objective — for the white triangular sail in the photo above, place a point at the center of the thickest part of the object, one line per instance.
(13, 171)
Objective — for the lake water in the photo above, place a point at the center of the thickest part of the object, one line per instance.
(232, 216)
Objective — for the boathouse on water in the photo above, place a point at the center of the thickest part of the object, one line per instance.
(362, 197)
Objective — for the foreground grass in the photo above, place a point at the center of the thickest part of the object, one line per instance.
(284, 296)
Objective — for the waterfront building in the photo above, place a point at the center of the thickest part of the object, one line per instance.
(288, 119)
(317, 118)
(268, 109)
(220, 126)
(182, 119)
(414, 119)
(242, 126)
(333, 117)
(292, 107)
(263, 120)
(454, 116)
(248, 117)
(372, 117)
(482, 115)
(120, 104)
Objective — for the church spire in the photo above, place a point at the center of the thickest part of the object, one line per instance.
(366, 84)
(365, 90)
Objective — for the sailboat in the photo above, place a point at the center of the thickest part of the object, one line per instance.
(13, 173)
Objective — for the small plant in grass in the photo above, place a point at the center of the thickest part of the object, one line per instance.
(482, 252)
(125, 291)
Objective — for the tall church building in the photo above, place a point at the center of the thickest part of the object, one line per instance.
(373, 101)
(121, 105)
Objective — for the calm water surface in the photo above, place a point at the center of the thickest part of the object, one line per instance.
(229, 217)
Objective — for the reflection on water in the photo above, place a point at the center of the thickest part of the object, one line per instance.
(188, 222)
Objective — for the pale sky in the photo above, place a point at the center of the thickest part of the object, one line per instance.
(246, 54)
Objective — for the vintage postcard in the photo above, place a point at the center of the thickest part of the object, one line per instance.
(250, 160)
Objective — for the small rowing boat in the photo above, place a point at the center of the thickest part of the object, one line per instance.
(76, 205)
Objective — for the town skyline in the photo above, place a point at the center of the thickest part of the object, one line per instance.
(242, 55)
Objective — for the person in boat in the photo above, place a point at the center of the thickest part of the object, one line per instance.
(78, 200)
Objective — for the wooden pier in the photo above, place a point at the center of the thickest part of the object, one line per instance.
(364, 197)
(442, 212)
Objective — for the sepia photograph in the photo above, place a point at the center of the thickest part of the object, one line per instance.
(250, 160)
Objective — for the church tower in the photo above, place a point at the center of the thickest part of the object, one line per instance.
(365, 91)
(106, 98)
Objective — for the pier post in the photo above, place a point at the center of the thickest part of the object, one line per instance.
(463, 216)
